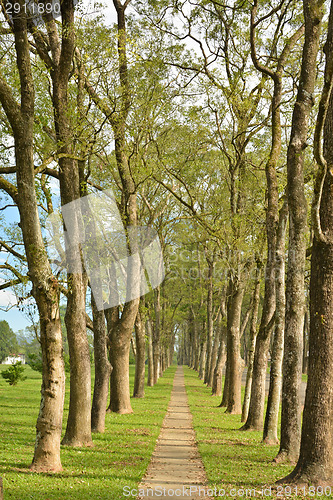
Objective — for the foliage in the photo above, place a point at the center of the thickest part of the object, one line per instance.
(14, 373)
(8, 340)
(35, 361)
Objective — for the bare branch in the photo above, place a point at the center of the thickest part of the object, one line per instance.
(318, 136)
(11, 250)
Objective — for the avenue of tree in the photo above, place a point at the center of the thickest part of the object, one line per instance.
(212, 123)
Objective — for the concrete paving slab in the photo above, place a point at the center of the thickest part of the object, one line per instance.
(176, 470)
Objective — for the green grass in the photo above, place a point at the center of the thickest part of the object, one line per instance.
(118, 458)
(232, 458)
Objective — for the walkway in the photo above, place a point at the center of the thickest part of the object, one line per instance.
(176, 468)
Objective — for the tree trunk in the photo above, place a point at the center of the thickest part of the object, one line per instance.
(157, 334)
(252, 342)
(305, 342)
(49, 421)
(225, 394)
(293, 340)
(217, 379)
(140, 335)
(150, 381)
(78, 429)
(214, 355)
(120, 339)
(202, 362)
(272, 413)
(207, 377)
(234, 360)
(195, 339)
(102, 370)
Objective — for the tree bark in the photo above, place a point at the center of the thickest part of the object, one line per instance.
(120, 338)
(202, 362)
(214, 356)
(102, 370)
(150, 381)
(305, 341)
(292, 361)
(208, 374)
(275, 383)
(157, 334)
(252, 342)
(217, 379)
(140, 335)
(235, 363)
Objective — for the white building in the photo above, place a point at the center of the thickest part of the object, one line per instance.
(12, 359)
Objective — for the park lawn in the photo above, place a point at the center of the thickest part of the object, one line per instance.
(233, 459)
(118, 458)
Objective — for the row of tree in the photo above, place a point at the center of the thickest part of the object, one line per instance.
(209, 113)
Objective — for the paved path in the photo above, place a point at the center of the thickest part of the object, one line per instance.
(176, 465)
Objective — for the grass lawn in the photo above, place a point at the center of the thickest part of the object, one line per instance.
(119, 457)
(234, 459)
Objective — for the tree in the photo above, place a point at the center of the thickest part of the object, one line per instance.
(294, 319)
(14, 373)
(45, 290)
(59, 61)
(256, 408)
(8, 340)
(315, 463)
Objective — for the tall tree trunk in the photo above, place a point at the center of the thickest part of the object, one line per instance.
(202, 362)
(157, 334)
(78, 430)
(225, 393)
(45, 286)
(293, 340)
(195, 340)
(315, 463)
(121, 332)
(140, 335)
(209, 320)
(305, 341)
(272, 413)
(256, 409)
(255, 415)
(102, 370)
(252, 342)
(120, 339)
(150, 381)
(221, 357)
(214, 355)
(235, 363)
